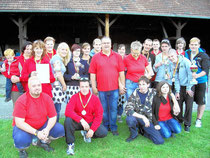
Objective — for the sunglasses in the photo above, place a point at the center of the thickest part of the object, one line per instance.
(84, 79)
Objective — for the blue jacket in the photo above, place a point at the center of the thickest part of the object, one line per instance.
(160, 71)
(92, 52)
(202, 61)
(54, 59)
(70, 71)
(183, 74)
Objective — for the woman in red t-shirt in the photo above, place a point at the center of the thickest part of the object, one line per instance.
(25, 55)
(163, 111)
(38, 53)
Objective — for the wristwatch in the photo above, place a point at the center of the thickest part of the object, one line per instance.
(36, 133)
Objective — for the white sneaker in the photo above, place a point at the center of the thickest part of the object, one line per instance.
(70, 149)
(198, 123)
(83, 133)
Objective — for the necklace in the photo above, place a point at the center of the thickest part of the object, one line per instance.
(37, 62)
(173, 79)
(84, 106)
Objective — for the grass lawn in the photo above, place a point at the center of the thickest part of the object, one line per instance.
(194, 144)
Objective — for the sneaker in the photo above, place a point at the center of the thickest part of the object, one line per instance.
(23, 154)
(187, 129)
(115, 133)
(198, 123)
(45, 146)
(70, 149)
(34, 141)
(87, 140)
(7, 99)
(129, 139)
(119, 119)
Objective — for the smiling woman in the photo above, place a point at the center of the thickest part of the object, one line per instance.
(38, 53)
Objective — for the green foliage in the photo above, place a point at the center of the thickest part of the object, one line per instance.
(194, 144)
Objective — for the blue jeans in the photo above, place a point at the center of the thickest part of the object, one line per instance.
(168, 127)
(149, 132)
(58, 109)
(23, 139)
(9, 88)
(109, 102)
(130, 87)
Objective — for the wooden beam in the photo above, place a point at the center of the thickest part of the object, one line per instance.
(99, 30)
(107, 25)
(101, 21)
(164, 30)
(113, 21)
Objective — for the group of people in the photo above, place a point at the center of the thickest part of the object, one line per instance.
(150, 84)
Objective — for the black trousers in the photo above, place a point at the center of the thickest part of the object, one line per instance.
(184, 97)
(71, 126)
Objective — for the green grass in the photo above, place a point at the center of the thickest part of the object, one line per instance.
(193, 145)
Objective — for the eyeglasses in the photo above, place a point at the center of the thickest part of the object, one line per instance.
(84, 79)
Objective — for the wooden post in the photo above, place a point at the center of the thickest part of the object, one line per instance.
(22, 27)
(107, 25)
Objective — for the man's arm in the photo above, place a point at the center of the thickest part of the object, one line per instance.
(20, 123)
(50, 125)
(93, 82)
(122, 82)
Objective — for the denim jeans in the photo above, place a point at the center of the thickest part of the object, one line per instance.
(149, 132)
(109, 102)
(58, 109)
(130, 86)
(168, 127)
(23, 139)
(9, 88)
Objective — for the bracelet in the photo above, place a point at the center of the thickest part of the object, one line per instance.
(36, 133)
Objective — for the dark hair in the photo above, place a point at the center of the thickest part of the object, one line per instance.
(145, 79)
(84, 79)
(159, 86)
(75, 47)
(24, 45)
(120, 46)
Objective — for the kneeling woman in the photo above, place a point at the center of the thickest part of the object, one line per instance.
(163, 111)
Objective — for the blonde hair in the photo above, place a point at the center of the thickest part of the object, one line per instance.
(85, 45)
(9, 52)
(195, 39)
(68, 56)
(40, 44)
(49, 39)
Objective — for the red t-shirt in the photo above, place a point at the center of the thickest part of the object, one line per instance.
(157, 53)
(107, 70)
(165, 111)
(49, 56)
(30, 66)
(94, 109)
(183, 53)
(135, 68)
(35, 111)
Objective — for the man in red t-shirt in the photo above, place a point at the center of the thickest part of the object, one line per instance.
(35, 117)
(107, 69)
(83, 112)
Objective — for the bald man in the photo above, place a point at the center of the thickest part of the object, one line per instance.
(35, 119)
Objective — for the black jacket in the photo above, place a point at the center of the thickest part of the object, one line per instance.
(156, 105)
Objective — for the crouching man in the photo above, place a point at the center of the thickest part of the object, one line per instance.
(83, 112)
(35, 117)
(139, 113)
